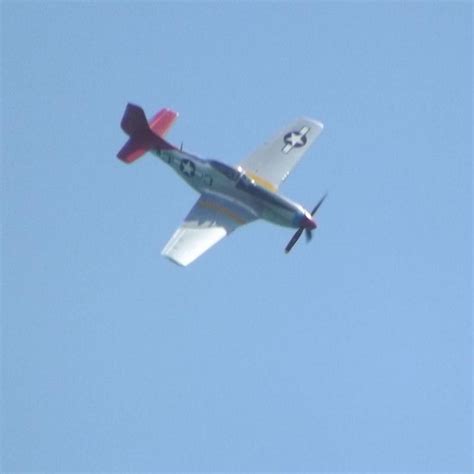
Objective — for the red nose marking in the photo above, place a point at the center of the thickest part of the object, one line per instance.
(308, 223)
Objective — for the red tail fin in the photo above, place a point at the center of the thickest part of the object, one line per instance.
(144, 136)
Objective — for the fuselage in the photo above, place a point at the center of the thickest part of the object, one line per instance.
(214, 177)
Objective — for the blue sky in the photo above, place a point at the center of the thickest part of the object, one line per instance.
(351, 354)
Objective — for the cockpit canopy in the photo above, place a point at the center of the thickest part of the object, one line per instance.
(228, 171)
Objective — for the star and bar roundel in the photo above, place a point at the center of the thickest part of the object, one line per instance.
(188, 168)
(295, 139)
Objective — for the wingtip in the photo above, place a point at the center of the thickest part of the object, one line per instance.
(316, 122)
(173, 260)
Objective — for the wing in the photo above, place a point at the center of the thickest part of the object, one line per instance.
(270, 164)
(210, 220)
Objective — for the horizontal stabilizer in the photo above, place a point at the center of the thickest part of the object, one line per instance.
(163, 121)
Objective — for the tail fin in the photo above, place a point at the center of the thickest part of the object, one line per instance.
(144, 136)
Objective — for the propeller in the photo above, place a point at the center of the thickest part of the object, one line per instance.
(305, 228)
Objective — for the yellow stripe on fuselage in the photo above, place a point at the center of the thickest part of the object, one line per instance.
(262, 182)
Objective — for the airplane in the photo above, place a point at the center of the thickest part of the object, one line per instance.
(229, 196)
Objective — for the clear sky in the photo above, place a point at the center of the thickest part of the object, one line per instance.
(352, 353)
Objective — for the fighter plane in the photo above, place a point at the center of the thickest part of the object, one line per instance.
(230, 196)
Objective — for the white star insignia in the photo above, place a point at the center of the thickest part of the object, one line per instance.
(295, 139)
(188, 168)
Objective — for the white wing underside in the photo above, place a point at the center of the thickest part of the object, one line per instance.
(271, 164)
(209, 221)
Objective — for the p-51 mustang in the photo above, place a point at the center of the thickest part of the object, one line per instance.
(230, 196)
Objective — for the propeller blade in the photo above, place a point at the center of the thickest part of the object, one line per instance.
(313, 212)
(294, 239)
(308, 232)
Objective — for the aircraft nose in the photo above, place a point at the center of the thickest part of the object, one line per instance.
(308, 223)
